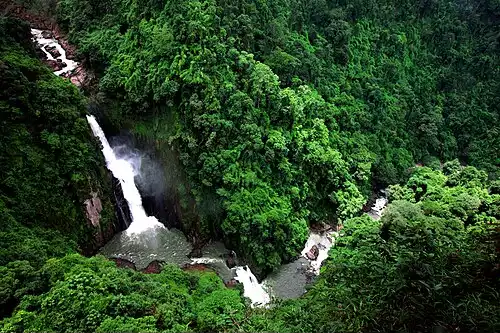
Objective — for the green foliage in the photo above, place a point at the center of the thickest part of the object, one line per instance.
(91, 294)
(48, 165)
(127, 324)
(462, 194)
(308, 99)
(48, 158)
(418, 269)
(280, 114)
(219, 310)
(35, 245)
(18, 278)
(238, 134)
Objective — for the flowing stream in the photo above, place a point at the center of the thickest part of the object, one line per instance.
(46, 43)
(146, 239)
(378, 208)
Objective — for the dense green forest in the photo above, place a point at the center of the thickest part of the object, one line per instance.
(49, 164)
(278, 115)
(428, 264)
(284, 114)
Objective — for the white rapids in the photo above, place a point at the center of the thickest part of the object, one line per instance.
(260, 293)
(377, 210)
(51, 42)
(257, 292)
(205, 261)
(252, 289)
(124, 171)
(324, 242)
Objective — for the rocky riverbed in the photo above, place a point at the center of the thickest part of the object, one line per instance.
(56, 52)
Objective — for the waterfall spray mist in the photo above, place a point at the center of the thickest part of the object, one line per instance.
(125, 166)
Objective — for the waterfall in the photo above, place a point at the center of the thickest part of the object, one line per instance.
(251, 288)
(124, 171)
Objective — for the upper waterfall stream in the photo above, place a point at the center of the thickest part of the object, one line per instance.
(46, 43)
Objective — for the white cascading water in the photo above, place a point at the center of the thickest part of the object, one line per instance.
(124, 171)
(377, 210)
(252, 289)
(205, 261)
(324, 242)
(51, 42)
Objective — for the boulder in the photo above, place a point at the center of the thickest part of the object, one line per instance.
(61, 63)
(313, 253)
(230, 262)
(195, 253)
(78, 76)
(320, 227)
(47, 34)
(123, 263)
(93, 208)
(196, 267)
(70, 49)
(231, 283)
(53, 51)
(55, 65)
(154, 267)
(231, 259)
(39, 52)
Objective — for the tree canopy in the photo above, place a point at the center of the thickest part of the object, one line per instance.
(272, 116)
(316, 100)
(428, 264)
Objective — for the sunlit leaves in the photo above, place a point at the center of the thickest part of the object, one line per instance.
(324, 98)
(91, 294)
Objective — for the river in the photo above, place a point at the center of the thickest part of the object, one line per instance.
(146, 239)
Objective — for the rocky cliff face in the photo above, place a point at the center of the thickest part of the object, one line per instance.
(102, 216)
(177, 207)
(93, 208)
(101, 227)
